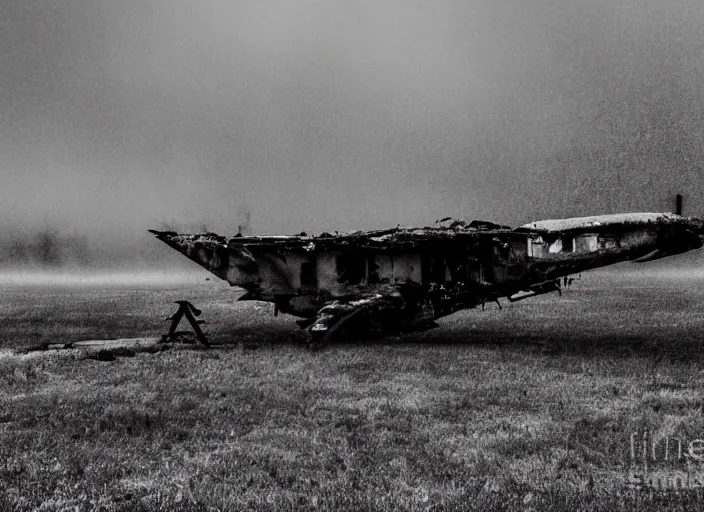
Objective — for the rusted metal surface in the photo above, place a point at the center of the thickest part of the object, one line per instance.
(405, 277)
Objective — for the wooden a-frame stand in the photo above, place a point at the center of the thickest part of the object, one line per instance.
(188, 310)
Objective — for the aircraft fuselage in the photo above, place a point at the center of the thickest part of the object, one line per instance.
(431, 271)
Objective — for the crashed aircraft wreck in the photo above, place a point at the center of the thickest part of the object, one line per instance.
(403, 279)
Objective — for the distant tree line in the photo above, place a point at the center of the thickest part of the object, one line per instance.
(46, 248)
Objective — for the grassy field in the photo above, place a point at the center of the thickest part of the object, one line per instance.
(529, 408)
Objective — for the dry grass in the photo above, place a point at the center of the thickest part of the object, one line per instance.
(527, 408)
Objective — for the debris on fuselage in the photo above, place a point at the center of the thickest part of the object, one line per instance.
(302, 273)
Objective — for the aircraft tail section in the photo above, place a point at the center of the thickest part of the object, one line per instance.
(566, 246)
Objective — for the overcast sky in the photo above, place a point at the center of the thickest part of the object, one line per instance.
(118, 116)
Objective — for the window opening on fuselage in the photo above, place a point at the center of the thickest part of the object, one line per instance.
(309, 277)
(567, 244)
(372, 270)
(351, 267)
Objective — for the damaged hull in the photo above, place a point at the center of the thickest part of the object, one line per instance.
(404, 278)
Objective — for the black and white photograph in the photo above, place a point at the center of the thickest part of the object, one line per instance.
(351, 255)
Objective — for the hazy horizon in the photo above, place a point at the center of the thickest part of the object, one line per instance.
(312, 116)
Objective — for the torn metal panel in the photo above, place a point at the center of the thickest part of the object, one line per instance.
(586, 242)
(406, 268)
